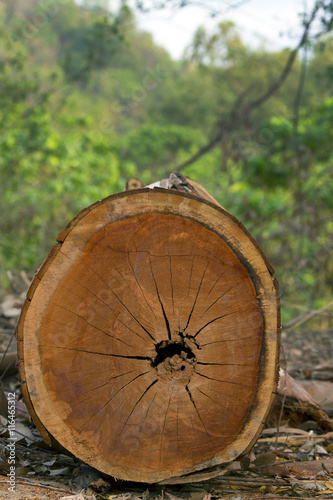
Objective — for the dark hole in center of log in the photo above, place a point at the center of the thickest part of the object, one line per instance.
(169, 349)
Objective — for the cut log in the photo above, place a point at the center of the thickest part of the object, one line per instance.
(149, 341)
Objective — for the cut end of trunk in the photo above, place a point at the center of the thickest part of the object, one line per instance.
(149, 343)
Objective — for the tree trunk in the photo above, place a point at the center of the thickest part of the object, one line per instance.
(149, 341)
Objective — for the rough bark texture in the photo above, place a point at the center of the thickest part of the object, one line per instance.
(149, 341)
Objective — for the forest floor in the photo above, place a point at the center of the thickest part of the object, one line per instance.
(293, 457)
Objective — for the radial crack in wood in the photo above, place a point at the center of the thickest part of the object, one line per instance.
(149, 342)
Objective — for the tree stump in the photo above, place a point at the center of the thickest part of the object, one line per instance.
(149, 341)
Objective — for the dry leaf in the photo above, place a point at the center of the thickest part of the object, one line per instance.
(299, 406)
(10, 306)
(124, 496)
(50, 462)
(198, 495)
(83, 476)
(276, 470)
(22, 411)
(320, 450)
(264, 459)
(300, 470)
(323, 371)
(315, 486)
(3, 426)
(60, 472)
(99, 485)
(321, 391)
(39, 468)
(22, 471)
(79, 496)
(21, 432)
(171, 497)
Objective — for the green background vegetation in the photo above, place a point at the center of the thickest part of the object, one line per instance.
(87, 101)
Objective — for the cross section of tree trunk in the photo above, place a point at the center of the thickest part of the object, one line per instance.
(148, 344)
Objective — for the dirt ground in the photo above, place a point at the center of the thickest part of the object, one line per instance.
(303, 350)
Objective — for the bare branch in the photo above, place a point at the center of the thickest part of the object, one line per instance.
(213, 7)
(232, 119)
(299, 320)
(299, 92)
(237, 115)
(289, 64)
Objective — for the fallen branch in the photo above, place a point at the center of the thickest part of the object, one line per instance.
(303, 318)
(38, 485)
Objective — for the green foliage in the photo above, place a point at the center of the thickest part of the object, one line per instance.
(47, 176)
(87, 101)
(157, 147)
(93, 46)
